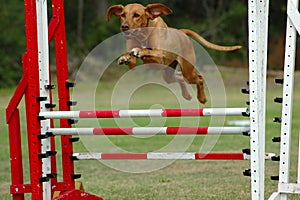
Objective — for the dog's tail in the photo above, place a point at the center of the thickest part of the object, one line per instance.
(207, 43)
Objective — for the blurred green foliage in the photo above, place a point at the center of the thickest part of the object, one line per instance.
(219, 21)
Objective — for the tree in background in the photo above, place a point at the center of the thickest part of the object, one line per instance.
(12, 42)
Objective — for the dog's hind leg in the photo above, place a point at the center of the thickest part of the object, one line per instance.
(170, 75)
(190, 74)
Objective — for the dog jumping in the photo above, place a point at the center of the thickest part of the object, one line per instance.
(150, 39)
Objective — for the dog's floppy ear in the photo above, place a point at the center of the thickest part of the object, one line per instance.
(116, 10)
(157, 9)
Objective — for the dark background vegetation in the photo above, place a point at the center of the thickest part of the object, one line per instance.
(220, 21)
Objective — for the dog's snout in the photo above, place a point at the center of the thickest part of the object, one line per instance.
(125, 27)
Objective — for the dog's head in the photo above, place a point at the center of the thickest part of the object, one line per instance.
(136, 16)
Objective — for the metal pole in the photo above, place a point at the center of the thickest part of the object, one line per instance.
(287, 101)
(150, 131)
(145, 113)
(44, 80)
(258, 34)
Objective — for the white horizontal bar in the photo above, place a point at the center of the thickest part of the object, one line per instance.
(149, 130)
(224, 111)
(60, 114)
(227, 130)
(88, 156)
(141, 113)
(171, 156)
(72, 131)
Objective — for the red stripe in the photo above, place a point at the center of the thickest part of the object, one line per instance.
(124, 156)
(112, 131)
(182, 112)
(99, 114)
(200, 112)
(186, 130)
(219, 156)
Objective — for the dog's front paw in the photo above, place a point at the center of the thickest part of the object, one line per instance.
(136, 52)
(124, 60)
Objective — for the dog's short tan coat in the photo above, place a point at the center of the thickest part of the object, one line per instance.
(149, 38)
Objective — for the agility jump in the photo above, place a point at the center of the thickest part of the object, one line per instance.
(36, 86)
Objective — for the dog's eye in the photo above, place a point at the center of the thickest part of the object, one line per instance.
(136, 15)
(122, 15)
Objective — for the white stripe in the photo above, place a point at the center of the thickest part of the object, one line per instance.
(268, 156)
(223, 111)
(60, 114)
(88, 156)
(227, 130)
(141, 113)
(149, 130)
(247, 157)
(72, 131)
(171, 156)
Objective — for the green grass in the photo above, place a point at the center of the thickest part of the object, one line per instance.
(176, 180)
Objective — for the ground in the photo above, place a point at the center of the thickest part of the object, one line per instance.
(181, 179)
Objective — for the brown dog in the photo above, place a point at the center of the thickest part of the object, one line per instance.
(149, 38)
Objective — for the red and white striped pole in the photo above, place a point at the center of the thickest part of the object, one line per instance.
(166, 156)
(149, 131)
(145, 113)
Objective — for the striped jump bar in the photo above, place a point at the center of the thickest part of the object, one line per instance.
(149, 131)
(145, 113)
(165, 156)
